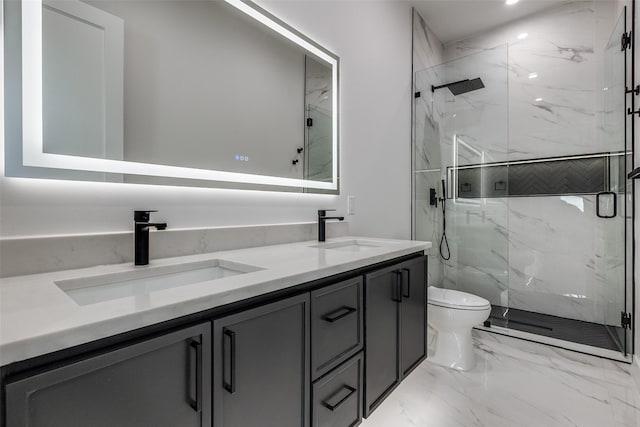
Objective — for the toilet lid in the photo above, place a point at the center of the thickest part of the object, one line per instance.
(456, 299)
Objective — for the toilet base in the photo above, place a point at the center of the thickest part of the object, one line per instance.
(452, 350)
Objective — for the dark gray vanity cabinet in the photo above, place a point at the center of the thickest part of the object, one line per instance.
(164, 381)
(320, 354)
(395, 318)
(261, 371)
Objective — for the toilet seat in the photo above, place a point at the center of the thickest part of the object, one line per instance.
(457, 300)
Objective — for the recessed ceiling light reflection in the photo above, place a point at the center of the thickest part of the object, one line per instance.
(533, 75)
(522, 36)
(538, 99)
(510, 2)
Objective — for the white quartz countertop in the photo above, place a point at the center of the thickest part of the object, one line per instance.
(38, 317)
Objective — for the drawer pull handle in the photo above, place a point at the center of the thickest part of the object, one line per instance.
(407, 293)
(230, 386)
(339, 314)
(396, 288)
(196, 403)
(333, 406)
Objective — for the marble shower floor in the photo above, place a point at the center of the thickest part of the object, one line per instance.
(515, 384)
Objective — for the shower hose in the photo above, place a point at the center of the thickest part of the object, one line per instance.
(444, 243)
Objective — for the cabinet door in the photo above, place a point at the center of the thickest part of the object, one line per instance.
(382, 314)
(261, 366)
(414, 313)
(163, 381)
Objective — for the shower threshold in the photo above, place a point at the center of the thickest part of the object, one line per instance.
(577, 331)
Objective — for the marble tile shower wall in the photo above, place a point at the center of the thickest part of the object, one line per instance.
(544, 254)
(561, 62)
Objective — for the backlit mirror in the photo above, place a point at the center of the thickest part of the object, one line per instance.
(215, 93)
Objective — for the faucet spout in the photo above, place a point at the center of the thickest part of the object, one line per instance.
(322, 220)
(157, 225)
(141, 235)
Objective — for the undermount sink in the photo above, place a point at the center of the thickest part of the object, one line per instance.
(350, 245)
(96, 289)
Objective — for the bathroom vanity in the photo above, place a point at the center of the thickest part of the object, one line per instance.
(302, 334)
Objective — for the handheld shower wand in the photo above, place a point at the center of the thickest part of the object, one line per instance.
(444, 243)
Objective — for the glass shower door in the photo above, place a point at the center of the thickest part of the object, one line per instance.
(461, 139)
(614, 213)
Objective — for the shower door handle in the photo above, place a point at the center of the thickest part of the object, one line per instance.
(615, 204)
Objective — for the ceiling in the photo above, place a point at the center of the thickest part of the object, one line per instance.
(453, 20)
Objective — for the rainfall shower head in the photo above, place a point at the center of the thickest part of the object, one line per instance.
(462, 86)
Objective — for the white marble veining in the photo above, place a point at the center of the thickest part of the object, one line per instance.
(38, 317)
(427, 48)
(478, 233)
(635, 371)
(564, 50)
(428, 224)
(516, 383)
(20, 256)
(564, 260)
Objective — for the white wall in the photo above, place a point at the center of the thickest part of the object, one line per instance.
(373, 40)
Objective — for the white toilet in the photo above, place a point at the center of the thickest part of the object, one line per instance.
(452, 314)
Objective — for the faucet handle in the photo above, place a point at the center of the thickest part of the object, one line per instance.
(142, 216)
(323, 212)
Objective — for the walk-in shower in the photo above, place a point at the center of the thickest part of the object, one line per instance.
(520, 174)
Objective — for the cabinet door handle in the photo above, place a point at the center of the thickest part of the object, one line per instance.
(230, 386)
(396, 291)
(339, 314)
(406, 284)
(197, 403)
(333, 406)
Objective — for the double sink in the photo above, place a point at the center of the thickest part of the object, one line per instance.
(139, 282)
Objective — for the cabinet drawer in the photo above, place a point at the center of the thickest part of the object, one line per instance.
(336, 325)
(337, 397)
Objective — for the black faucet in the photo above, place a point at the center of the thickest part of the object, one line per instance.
(141, 235)
(322, 219)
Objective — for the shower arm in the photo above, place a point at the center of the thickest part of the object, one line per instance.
(434, 88)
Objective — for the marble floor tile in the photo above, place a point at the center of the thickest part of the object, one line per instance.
(515, 383)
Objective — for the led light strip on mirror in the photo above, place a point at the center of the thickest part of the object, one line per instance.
(32, 108)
